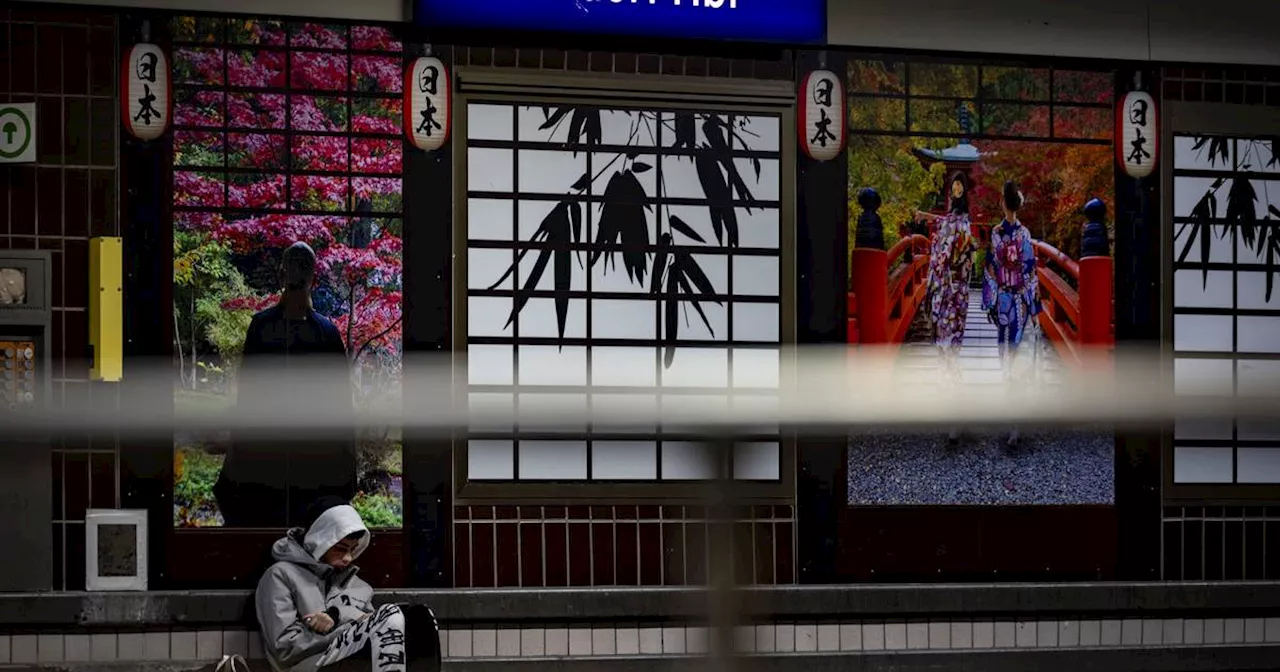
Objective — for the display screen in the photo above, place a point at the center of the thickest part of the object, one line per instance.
(786, 21)
(990, 169)
(13, 286)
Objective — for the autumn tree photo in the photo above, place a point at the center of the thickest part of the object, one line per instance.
(1048, 130)
(285, 132)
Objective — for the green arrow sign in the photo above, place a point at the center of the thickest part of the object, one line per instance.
(17, 128)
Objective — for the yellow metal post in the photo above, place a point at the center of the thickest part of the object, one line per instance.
(106, 308)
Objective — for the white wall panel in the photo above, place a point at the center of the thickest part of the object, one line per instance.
(1193, 31)
(1219, 31)
(1079, 28)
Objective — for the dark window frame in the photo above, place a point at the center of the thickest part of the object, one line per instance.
(1220, 119)
(604, 91)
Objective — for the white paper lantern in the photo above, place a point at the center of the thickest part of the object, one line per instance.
(428, 100)
(1138, 134)
(822, 115)
(147, 91)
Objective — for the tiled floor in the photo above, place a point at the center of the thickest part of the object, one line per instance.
(632, 640)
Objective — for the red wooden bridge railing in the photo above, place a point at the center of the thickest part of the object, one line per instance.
(882, 303)
(1076, 296)
(1076, 301)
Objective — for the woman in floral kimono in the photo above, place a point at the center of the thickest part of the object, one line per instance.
(1010, 288)
(950, 266)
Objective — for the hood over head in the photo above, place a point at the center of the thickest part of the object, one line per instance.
(334, 525)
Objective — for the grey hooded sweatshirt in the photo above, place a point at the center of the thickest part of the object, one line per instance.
(298, 585)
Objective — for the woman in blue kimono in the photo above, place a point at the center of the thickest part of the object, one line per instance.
(1010, 290)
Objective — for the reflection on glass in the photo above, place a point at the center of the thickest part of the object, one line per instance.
(338, 193)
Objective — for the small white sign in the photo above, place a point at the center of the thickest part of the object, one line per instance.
(822, 115)
(115, 546)
(427, 105)
(18, 133)
(1138, 146)
(146, 107)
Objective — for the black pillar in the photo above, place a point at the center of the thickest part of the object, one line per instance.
(146, 461)
(1137, 272)
(428, 341)
(822, 267)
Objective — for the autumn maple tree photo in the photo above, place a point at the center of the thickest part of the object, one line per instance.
(1049, 131)
(285, 132)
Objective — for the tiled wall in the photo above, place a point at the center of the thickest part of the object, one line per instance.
(606, 640)
(532, 546)
(64, 60)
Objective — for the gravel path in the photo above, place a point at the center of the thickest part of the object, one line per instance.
(1051, 466)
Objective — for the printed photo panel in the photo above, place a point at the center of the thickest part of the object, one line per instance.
(941, 145)
(284, 135)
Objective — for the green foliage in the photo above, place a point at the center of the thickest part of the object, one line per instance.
(195, 473)
(979, 262)
(225, 329)
(379, 510)
(1056, 177)
(905, 185)
(204, 279)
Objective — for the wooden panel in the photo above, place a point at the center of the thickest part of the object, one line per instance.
(978, 543)
(217, 559)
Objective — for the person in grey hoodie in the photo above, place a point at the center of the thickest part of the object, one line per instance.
(315, 612)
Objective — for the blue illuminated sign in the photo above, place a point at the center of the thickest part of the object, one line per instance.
(783, 21)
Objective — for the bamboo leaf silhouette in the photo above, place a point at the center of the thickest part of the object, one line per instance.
(1217, 147)
(1275, 158)
(719, 199)
(554, 117)
(671, 320)
(556, 232)
(677, 281)
(575, 219)
(584, 126)
(623, 221)
(1272, 249)
(660, 260)
(1201, 228)
(575, 128)
(686, 131)
(1242, 202)
(685, 282)
(678, 224)
(715, 128)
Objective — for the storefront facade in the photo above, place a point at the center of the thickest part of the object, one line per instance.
(526, 246)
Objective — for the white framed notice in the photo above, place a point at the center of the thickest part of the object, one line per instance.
(115, 545)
